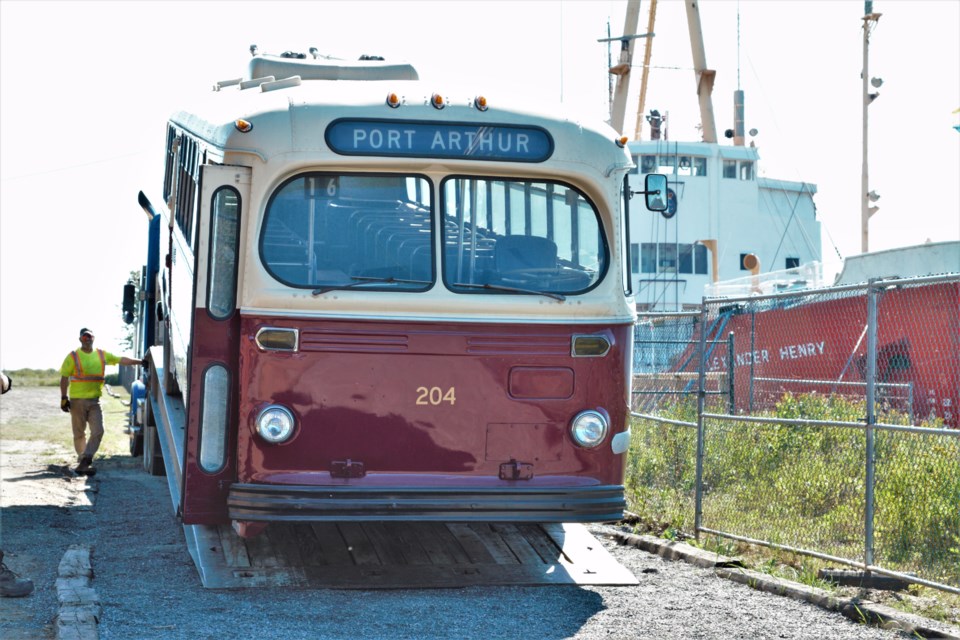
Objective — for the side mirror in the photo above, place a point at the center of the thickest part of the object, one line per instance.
(655, 189)
(129, 301)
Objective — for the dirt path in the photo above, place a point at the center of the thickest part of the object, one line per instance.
(45, 506)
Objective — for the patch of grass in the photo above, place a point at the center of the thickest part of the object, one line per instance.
(34, 377)
(804, 486)
(53, 428)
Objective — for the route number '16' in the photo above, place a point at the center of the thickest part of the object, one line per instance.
(436, 396)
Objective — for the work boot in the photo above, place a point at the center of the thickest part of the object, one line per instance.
(10, 585)
(84, 466)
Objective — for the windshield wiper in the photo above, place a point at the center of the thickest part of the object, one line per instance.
(500, 287)
(367, 280)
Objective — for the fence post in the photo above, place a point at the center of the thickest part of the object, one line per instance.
(753, 350)
(730, 388)
(871, 379)
(701, 393)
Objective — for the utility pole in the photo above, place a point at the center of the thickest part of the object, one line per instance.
(870, 20)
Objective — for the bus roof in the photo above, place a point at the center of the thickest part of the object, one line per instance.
(293, 114)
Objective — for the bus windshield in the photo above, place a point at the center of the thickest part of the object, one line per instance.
(502, 235)
(332, 231)
(336, 231)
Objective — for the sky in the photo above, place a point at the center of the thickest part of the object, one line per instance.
(86, 88)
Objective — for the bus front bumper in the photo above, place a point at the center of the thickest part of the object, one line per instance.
(304, 503)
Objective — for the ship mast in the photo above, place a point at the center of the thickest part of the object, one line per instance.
(870, 20)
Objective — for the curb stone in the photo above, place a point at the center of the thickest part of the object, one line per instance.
(80, 608)
(857, 610)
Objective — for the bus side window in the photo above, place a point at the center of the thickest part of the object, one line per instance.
(224, 240)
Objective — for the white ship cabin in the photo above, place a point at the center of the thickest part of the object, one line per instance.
(724, 222)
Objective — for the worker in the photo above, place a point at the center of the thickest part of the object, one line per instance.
(83, 372)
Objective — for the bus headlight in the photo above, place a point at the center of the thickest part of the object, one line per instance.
(275, 424)
(589, 428)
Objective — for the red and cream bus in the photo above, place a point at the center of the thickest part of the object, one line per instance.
(377, 299)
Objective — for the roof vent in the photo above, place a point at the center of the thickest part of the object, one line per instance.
(256, 82)
(226, 83)
(292, 81)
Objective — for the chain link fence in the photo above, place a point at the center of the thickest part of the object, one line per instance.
(823, 422)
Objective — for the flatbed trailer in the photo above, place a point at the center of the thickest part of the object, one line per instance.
(369, 555)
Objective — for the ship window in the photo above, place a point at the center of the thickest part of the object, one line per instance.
(730, 169)
(700, 259)
(667, 260)
(685, 167)
(635, 257)
(648, 257)
(793, 263)
(686, 258)
(666, 165)
(648, 164)
(746, 171)
(699, 166)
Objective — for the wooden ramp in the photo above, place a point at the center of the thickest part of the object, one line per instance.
(378, 555)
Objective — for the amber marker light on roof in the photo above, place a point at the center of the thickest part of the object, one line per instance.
(622, 141)
(393, 100)
(480, 103)
(437, 101)
(243, 126)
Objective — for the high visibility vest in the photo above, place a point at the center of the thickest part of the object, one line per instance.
(83, 376)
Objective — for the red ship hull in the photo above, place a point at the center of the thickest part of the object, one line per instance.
(822, 347)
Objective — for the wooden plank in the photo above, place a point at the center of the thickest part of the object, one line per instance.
(525, 553)
(284, 543)
(450, 544)
(494, 544)
(413, 542)
(429, 535)
(399, 556)
(234, 550)
(358, 544)
(386, 544)
(262, 553)
(471, 543)
(332, 544)
(543, 544)
(311, 553)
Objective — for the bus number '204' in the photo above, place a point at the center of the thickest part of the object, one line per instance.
(436, 396)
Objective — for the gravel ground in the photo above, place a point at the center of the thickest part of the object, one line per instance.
(149, 588)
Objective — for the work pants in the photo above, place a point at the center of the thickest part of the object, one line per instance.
(83, 412)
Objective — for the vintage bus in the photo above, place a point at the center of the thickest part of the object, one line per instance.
(368, 299)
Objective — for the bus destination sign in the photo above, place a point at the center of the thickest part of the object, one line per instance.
(417, 139)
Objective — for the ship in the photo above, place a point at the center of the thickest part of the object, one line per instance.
(781, 327)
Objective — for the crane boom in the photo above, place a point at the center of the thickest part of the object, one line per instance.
(622, 70)
(648, 49)
(705, 77)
